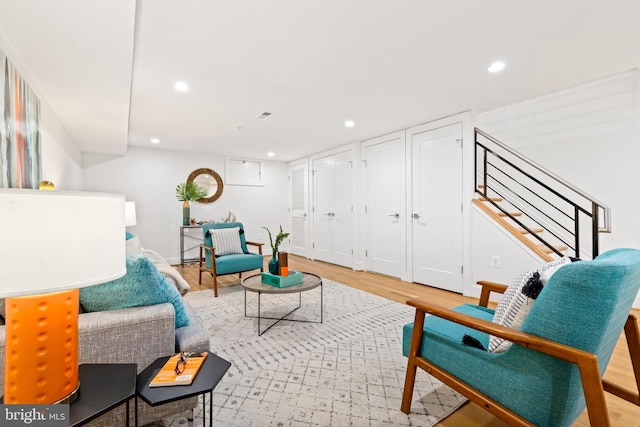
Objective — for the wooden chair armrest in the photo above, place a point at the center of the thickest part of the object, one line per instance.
(207, 248)
(487, 288)
(543, 345)
(257, 244)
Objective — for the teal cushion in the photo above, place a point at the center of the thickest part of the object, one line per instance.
(128, 235)
(449, 330)
(142, 285)
(238, 262)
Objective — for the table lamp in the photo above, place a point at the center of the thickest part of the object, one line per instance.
(130, 214)
(52, 244)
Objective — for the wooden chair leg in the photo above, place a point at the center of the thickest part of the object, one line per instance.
(410, 376)
(593, 392)
(632, 335)
(215, 285)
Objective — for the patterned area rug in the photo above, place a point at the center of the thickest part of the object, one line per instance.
(347, 371)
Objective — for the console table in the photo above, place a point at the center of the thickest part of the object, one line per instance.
(192, 235)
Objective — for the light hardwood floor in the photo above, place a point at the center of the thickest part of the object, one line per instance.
(621, 413)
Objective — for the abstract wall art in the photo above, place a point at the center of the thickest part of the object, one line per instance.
(20, 151)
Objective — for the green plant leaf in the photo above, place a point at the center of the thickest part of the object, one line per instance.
(190, 191)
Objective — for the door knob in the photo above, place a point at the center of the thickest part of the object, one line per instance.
(415, 216)
(395, 215)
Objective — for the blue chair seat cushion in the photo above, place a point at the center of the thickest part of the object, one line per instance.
(493, 374)
(450, 330)
(143, 284)
(236, 263)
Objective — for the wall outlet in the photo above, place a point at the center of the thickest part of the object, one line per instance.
(495, 261)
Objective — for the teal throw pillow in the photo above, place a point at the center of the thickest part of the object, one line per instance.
(142, 285)
(128, 235)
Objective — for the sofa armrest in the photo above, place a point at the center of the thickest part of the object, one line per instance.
(193, 337)
(130, 335)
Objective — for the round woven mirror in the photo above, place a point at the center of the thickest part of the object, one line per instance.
(210, 180)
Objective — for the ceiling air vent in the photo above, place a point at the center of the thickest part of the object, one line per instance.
(264, 115)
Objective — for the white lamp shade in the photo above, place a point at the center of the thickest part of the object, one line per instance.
(53, 241)
(130, 214)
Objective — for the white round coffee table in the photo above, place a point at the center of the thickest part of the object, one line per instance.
(254, 284)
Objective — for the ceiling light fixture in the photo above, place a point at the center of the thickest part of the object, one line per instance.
(264, 115)
(181, 86)
(271, 154)
(154, 140)
(496, 67)
(349, 123)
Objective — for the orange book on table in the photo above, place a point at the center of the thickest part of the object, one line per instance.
(180, 369)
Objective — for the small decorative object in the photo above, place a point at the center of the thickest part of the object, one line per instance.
(283, 264)
(46, 185)
(192, 221)
(273, 263)
(187, 192)
(293, 278)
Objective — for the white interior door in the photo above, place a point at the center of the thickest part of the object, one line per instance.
(437, 207)
(333, 229)
(385, 201)
(342, 212)
(324, 184)
(299, 209)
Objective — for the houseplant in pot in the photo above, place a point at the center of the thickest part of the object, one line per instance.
(273, 264)
(187, 192)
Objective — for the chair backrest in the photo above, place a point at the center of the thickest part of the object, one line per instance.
(218, 225)
(585, 305)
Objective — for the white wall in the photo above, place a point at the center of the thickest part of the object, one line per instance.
(588, 135)
(149, 178)
(61, 157)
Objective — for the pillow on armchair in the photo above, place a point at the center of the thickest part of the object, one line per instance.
(142, 285)
(226, 241)
(519, 298)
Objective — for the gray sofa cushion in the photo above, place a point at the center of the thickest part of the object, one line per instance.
(192, 337)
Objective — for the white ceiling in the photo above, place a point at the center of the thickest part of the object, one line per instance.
(107, 67)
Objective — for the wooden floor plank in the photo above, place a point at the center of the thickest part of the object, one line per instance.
(622, 413)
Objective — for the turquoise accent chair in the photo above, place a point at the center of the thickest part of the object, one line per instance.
(227, 264)
(555, 366)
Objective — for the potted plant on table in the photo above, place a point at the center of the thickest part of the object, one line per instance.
(187, 192)
(273, 264)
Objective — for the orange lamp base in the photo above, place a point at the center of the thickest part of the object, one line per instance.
(41, 362)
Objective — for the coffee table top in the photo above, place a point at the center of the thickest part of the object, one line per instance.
(254, 284)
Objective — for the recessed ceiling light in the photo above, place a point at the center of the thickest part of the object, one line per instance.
(155, 140)
(181, 86)
(349, 123)
(271, 154)
(496, 67)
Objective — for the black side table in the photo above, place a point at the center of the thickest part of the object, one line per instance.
(102, 388)
(210, 374)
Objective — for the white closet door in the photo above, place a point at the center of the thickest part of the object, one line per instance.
(333, 215)
(299, 209)
(324, 184)
(437, 207)
(385, 216)
(343, 209)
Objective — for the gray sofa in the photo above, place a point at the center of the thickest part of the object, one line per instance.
(136, 335)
